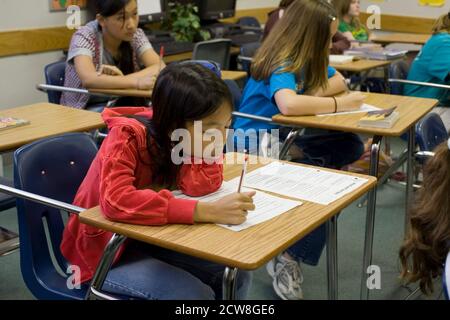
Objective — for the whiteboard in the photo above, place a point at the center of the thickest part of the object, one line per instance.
(409, 8)
(147, 7)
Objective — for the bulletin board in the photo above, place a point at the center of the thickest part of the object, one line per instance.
(62, 5)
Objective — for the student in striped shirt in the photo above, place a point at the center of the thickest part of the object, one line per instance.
(108, 53)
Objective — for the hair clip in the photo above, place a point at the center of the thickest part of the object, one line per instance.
(333, 18)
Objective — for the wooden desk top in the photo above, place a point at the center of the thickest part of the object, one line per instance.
(248, 249)
(188, 55)
(46, 120)
(417, 38)
(226, 74)
(233, 75)
(360, 65)
(411, 110)
(123, 92)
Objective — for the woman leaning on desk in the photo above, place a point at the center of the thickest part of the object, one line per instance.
(107, 53)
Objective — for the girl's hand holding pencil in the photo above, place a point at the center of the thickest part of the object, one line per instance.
(231, 209)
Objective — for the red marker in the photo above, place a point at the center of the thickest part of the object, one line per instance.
(161, 57)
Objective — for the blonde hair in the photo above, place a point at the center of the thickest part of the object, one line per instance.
(342, 8)
(442, 24)
(299, 42)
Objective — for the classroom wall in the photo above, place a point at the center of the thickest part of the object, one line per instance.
(20, 74)
(407, 8)
(251, 4)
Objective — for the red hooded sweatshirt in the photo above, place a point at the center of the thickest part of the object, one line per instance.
(116, 182)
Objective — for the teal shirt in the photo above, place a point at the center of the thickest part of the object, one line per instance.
(431, 65)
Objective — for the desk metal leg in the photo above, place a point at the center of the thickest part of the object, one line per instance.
(370, 218)
(103, 268)
(410, 173)
(289, 141)
(229, 284)
(332, 263)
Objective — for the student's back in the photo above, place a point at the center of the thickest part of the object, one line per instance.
(431, 65)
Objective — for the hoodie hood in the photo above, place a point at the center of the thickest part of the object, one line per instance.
(116, 117)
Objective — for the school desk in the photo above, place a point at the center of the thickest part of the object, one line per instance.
(188, 55)
(46, 120)
(359, 66)
(416, 38)
(248, 249)
(411, 110)
(226, 75)
(364, 67)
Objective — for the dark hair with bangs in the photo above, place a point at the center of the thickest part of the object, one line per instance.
(183, 92)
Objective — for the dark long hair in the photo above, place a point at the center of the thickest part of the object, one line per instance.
(108, 8)
(183, 92)
(427, 243)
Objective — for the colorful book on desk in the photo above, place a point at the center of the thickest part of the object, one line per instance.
(385, 118)
(9, 122)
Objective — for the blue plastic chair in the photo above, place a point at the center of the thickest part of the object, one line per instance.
(54, 75)
(248, 50)
(54, 168)
(398, 70)
(430, 132)
(211, 65)
(235, 92)
(248, 21)
(446, 277)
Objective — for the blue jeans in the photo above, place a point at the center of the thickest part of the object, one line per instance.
(149, 272)
(330, 149)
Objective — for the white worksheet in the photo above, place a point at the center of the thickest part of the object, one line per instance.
(310, 184)
(267, 206)
(364, 108)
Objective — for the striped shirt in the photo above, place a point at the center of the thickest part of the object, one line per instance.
(88, 41)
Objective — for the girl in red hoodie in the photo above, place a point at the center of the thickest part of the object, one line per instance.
(137, 154)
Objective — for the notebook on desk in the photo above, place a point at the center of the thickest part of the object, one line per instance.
(385, 119)
(9, 122)
(376, 54)
(340, 59)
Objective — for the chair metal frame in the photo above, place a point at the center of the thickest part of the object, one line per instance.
(97, 282)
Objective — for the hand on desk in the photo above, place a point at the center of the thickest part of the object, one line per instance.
(231, 209)
(109, 70)
(350, 102)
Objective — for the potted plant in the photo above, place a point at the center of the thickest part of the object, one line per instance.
(184, 22)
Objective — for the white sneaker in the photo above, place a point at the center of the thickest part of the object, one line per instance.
(287, 277)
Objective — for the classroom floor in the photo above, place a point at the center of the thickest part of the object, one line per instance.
(351, 228)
